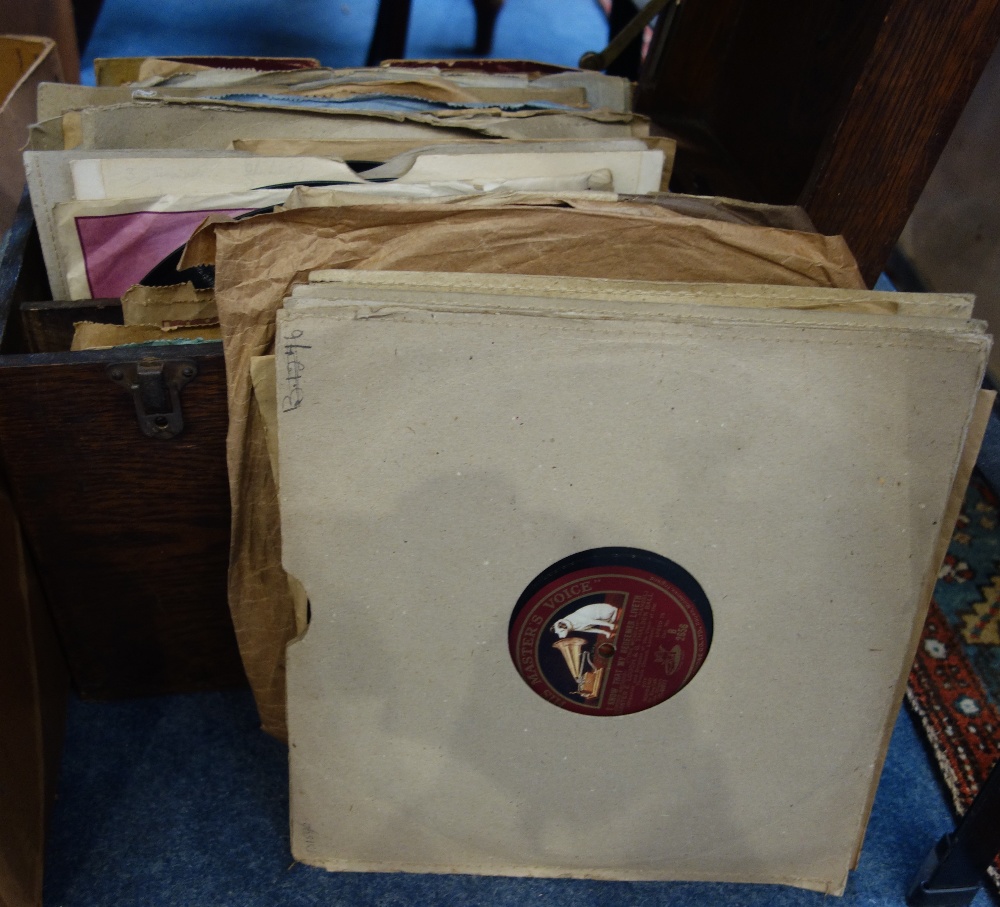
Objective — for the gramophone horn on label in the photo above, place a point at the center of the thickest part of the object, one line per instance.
(610, 631)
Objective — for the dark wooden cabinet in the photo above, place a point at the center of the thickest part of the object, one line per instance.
(130, 533)
(841, 106)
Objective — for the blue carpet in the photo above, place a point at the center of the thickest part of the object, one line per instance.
(181, 800)
(337, 33)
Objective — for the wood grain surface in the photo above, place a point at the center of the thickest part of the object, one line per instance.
(841, 106)
(48, 327)
(874, 164)
(130, 534)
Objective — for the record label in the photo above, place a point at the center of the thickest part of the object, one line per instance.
(610, 631)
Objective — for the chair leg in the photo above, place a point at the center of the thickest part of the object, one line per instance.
(627, 64)
(953, 871)
(389, 38)
(486, 20)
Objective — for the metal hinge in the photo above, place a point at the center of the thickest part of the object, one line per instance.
(155, 386)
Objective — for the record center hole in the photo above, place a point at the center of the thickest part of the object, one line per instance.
(606, 650)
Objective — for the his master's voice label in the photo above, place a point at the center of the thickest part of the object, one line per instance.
(610, 631)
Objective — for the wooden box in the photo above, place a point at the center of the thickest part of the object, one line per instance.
(129, 530)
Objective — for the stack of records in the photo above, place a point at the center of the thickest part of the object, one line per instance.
(600, 519)
(610, 581)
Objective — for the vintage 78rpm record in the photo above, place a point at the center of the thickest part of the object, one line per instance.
(574, 482)
(610, 631)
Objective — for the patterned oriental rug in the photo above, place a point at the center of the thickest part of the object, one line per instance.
(954, 687)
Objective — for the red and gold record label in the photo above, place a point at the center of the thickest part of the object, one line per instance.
(610, 631)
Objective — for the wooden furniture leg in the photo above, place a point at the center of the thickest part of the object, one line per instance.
(954, 869)
(627, 63)
(85, 13)
(486, 20)
(389, 39)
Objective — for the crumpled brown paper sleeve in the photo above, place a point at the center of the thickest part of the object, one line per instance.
(258, 259)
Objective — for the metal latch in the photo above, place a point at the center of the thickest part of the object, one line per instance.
(155, 386)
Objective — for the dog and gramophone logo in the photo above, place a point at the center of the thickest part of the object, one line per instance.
(610, 631)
